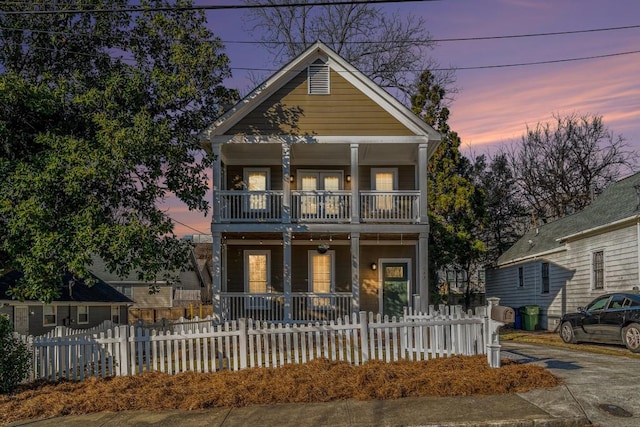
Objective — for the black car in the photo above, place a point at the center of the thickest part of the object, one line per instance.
(612, 318)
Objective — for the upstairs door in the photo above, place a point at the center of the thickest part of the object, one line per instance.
(319, 202)
(395, 282)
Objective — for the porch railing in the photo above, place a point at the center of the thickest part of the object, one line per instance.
(303, 307)
(320, 206)
(333, 206)
(243, 206)
(389, 206)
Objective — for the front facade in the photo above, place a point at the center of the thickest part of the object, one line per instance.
(569, 262)
(319, 205)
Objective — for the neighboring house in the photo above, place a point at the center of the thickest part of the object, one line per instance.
(190, 287)
(79, 307)
(566, 263)
(452, 286)
(319, 196)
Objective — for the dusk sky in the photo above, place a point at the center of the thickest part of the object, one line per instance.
(494, 106)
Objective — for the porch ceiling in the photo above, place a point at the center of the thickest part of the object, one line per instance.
(319, 154)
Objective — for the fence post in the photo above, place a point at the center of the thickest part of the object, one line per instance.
(123, 354)
(493, 340)
(242, 342)
(364, 337)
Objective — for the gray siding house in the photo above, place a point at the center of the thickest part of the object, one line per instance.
(564, 264)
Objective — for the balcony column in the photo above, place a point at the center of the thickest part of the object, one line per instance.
(286, 273)
(355, 272)
(286, 182)
(423, 271)
(216, 275)
(217, 183)
(355, 187)
(422, 183)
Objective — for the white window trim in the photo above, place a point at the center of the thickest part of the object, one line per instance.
(317, 302)
(115, 308)
(44, 315)
(319, 173)
(375, 171)
(246, 172)
(593, 276)
(253, 302)
(78, 315)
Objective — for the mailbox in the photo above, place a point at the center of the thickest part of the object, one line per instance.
(503, 314)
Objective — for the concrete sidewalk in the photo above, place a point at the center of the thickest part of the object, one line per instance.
(498, 410)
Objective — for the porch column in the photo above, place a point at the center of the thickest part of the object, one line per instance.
(355, 196)
(422, 183)
(286, 273)
(216, 275)
(355, 272)
(286, 182)
(217, 183)
(423, 271)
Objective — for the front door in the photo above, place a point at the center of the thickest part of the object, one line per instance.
(21, 319)
(396, 286)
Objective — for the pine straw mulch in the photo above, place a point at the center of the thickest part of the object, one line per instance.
(317, 381)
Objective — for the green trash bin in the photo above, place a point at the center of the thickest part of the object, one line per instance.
(530, 317)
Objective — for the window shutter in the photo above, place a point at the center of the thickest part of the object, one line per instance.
(318, 77)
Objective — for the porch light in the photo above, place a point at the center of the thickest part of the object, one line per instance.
(374, 266)
(348, 178)
(292, 178)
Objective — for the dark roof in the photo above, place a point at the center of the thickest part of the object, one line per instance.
(618, 202)
(99, 292)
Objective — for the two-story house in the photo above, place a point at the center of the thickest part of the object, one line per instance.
(319, 197)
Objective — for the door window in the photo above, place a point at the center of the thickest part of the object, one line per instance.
(257, 180)
(395, 287)
(384, 180)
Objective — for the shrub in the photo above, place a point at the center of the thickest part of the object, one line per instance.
(14, 358)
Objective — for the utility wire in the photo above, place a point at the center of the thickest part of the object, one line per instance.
(188, 226)
(209, 7)
(453, 39)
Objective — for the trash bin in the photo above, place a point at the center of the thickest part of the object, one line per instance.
(517, 324)
(530, 317)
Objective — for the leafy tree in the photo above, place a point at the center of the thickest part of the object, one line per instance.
(560, 166)
(383, 45)
(456, 204)
(99, 121)
(506, 215)
(14, 358)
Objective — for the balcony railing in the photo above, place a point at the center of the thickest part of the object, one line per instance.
(389, 206)
(251, 206)
(323, 206)
(320, 206)
(303, 307)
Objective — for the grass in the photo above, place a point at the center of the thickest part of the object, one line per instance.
(553, 339)
(317, 381)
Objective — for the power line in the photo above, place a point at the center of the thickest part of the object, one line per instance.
(210, 7)
(188, 226)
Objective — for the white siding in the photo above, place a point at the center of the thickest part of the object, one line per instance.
(569, 275)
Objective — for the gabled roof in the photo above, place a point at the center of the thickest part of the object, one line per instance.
(80, 293)
(321, 51)
(618, 204)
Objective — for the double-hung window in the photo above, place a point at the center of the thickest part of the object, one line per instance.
(257, 278)
(257, 183)
(384, 180)
(49, 315)
(321, 277)
(115, 314)
(83, 314)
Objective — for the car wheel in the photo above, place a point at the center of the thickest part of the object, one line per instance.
(566, 333)
(631, 337)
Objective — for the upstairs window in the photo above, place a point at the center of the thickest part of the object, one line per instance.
(318, 78)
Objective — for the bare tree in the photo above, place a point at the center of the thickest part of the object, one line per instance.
(561, 166)
(390, 49)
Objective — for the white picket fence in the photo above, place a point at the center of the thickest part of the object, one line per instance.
(201, 346)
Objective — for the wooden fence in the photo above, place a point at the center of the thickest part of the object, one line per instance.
(202, 346)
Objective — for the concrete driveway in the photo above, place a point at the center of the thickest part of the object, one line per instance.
(606, 389)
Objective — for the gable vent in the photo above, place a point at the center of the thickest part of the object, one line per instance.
(318, 77)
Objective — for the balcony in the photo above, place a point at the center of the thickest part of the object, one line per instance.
(320, 206)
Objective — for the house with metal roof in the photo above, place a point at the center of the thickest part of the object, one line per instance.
(564, 264)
